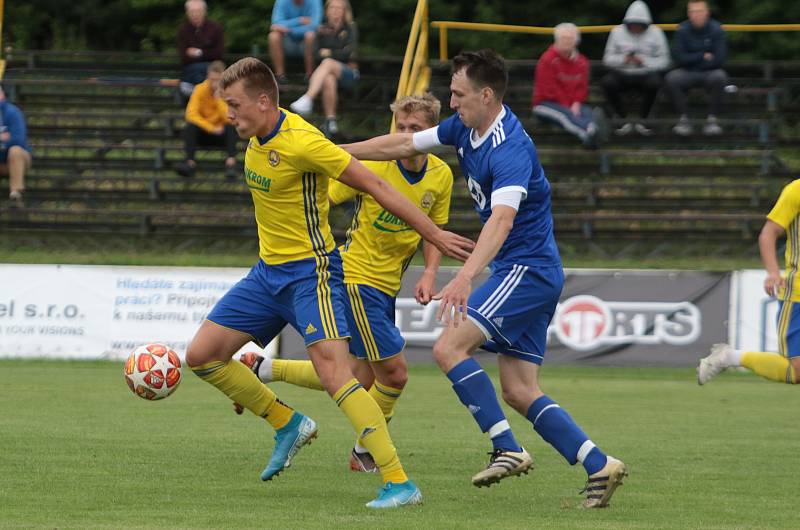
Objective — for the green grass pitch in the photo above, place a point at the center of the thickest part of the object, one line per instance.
(78, 450)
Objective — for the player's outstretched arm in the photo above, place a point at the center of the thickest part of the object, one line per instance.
(359, 177)
(386, 147)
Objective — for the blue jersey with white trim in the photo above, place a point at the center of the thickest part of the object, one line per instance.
(505, 158)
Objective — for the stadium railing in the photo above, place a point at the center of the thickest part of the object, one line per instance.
(445, 25)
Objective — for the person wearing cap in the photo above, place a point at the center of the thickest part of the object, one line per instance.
(636, 55)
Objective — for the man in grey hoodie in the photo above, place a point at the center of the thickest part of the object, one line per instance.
(636, 55)
(699, 50)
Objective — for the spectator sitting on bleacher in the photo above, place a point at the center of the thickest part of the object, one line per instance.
(291, 33)
(561, 86)
(200, 41)
(15, 155)
(636, 54)
(699, 49)
(336, 43)
(207, 124)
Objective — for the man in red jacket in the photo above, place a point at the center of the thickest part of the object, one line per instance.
(561, 85)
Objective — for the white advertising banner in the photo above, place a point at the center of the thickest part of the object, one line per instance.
(92, 312)
(752, 313)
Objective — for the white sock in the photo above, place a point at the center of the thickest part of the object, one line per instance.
(360, 449)
(735, 357)
(265, 370)
(304, 100)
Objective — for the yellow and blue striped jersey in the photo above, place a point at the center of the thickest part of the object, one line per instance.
(786, 213)
(379, 245)
(288, 173)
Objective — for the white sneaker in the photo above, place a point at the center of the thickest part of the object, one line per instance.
(625, 129)
(303, 105)
(715, 363)
(683, 127)
(711, 127)
(643, 129)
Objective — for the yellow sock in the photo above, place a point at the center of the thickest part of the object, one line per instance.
(772, 366)
(385, 397)
(239, 383)
(299, 373)
(368, 422)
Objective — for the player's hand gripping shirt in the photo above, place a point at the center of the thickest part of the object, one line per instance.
(786, 213)
(505, 159)
(379, 245)
(287, 173)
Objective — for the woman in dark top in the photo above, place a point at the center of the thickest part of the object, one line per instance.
(336, 42)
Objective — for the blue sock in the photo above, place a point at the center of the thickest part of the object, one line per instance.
(560, 430)
(475, 390)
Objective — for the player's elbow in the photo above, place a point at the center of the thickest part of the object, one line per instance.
(770, 232)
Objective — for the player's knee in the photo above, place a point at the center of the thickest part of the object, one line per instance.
(396, 376)
(308, 37)
(447, 354)
(195, 356)
(517, 399)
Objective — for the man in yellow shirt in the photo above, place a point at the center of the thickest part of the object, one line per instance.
(207, 124)
(784, 366)
(377, 251)
(298, 279)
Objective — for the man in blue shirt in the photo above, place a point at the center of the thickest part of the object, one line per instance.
(508, 313)
(15, 155)
(291, 33)
(699, 49)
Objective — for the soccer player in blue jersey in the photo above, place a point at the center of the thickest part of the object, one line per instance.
(508, 313)
(298, 278)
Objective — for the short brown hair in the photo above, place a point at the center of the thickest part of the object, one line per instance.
(256, 78)
(216, 66)
(427, 104)
(484, 68)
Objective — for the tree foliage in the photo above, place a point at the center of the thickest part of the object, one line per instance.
(150, 24)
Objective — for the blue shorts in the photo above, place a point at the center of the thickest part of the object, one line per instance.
(514, 307)
(349, 77)
(293, 47)
(308, 294)
(789, 329)
(370, 317)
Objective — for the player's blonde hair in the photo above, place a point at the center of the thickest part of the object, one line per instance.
(427, 104)
(256, 78)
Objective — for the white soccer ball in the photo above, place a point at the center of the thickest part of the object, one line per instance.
(153, 371)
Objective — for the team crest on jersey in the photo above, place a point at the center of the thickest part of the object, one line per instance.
(274, 158)
(427, 200)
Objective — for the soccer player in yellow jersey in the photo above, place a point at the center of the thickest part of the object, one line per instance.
(378, 249)
(298, 278)
(784, 366)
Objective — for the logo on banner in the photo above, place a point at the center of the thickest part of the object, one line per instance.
(586, 322)
(582, 322)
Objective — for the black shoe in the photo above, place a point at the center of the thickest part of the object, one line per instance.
(231, 173)
(282, 79)
(185, 169)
